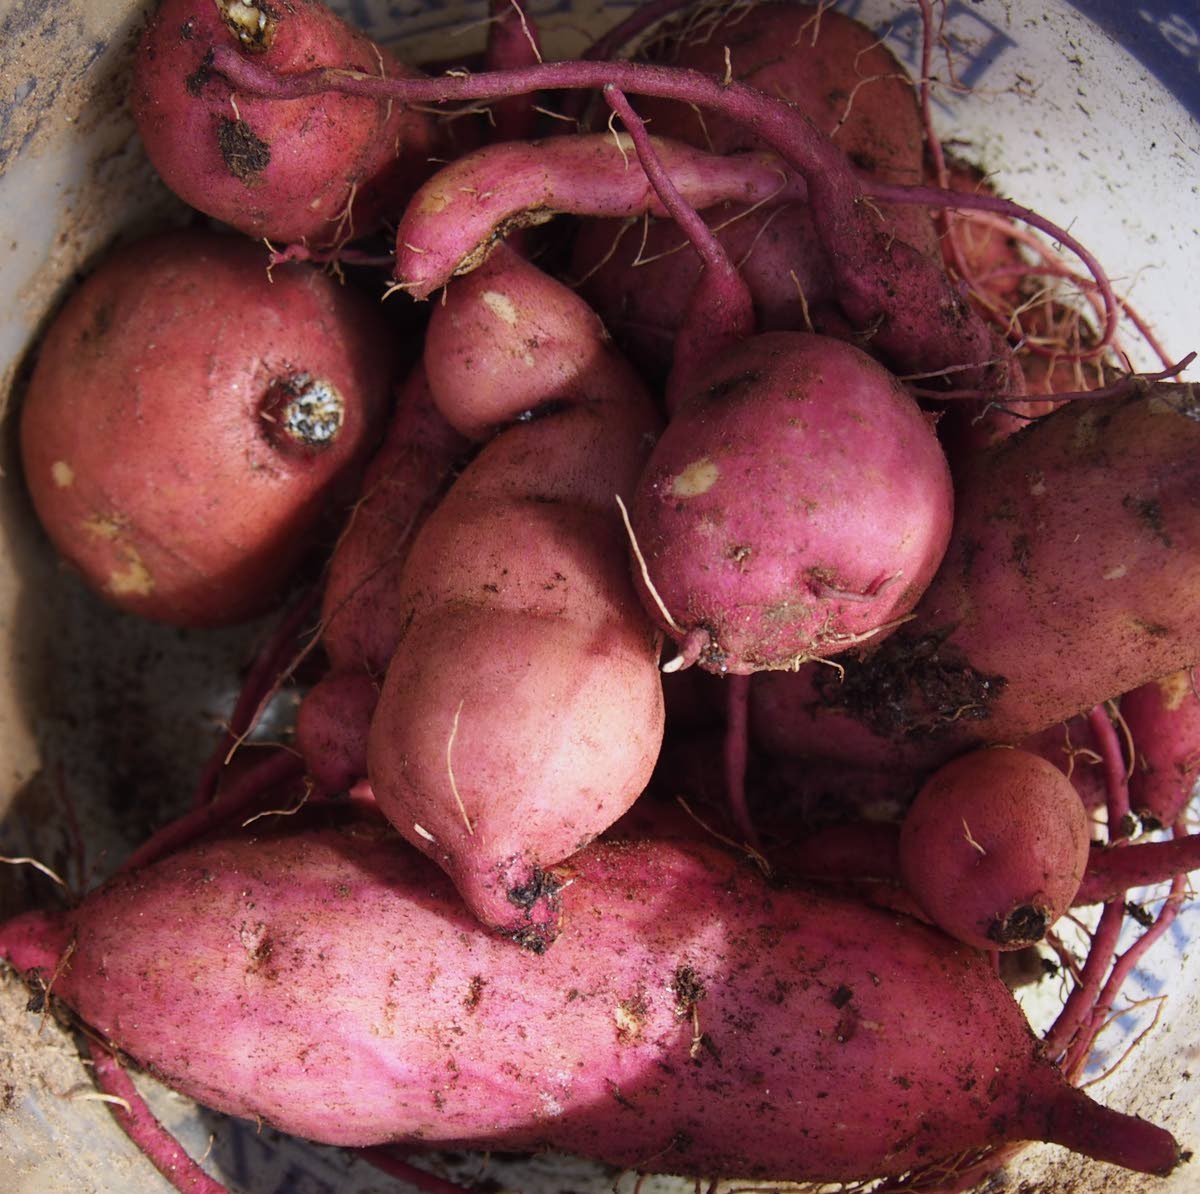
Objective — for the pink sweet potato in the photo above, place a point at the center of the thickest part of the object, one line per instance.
(835, 70)
(361, 617)
(522, 710)
(322, 169)
(639, 278)
(1084, 524)
(689, 1019)
(1163, 718)
(994, 847)
(190, 421)
(797, 504)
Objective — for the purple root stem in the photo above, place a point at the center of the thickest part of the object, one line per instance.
(420, 1179)
(1091, 978)
(574, 103)
(1116, 778)
(924, 324)
(1112, 872)
(241, 795)
(1070, 1118)
(266, 674)
(1122, 968)
(737, 735)
(720, 311)
(140, 1125)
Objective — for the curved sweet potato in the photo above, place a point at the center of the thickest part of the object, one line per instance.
(522, 710)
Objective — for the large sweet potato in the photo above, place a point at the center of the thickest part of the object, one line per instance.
(522, 710)
(688, 1019)
(1072, 576)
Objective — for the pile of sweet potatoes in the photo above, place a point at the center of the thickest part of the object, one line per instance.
(701, 685)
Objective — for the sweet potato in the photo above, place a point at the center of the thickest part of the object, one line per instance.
(360, 615)
(835, 70)
(994, 847)
(190, 421)
(886, 289)
(638, 278)
(1163, 719)
(797, 504)
(321, 170)
(688, 1019)
(522, 710)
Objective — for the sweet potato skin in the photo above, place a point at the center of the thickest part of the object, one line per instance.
(688, 1019)
(154, 431)
(1004, 642)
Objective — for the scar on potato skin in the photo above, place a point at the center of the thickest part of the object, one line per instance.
(474, 992)
(245, 154)
(1148, 512)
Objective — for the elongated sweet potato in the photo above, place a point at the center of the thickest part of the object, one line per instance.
(688, 1019)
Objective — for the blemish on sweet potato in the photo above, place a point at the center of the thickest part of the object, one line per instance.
(1148, 511)
(245, 155)
(253, 25)
(912, 685)
(474, 992)
(630, 1017)
(198, 79)
(688, 989)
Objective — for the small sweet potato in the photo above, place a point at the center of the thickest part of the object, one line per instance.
(321, 169)
(994, 847)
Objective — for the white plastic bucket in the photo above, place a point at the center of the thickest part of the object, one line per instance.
(1086, 111)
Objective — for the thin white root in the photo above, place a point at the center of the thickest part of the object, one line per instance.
(637, 551)
(970, 839)
(37, 866)
(450, 770)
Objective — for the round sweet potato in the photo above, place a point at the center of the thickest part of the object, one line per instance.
(189, 421)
